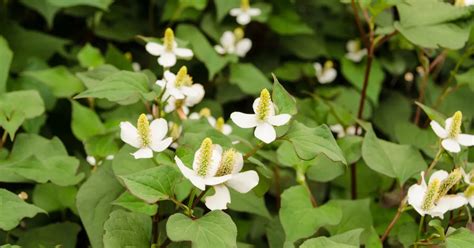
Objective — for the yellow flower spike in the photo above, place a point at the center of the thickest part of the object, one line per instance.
(452, 179)
(205, 112)
(205, 157)
(328, 64)
(220, 124)
(455, 128)
(239, 33)
(227, 163)
(128, 56)
(245, 4)
(460, 3)
(264, 105)
(168, 40)
(431, 195)
(469, 191)
(182, 77)
(143, 127)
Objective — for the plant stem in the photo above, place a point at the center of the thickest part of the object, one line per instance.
(4, 139)
(420, 229)
(434, 162)
(198, 199)
(277, 186)
(469, 216)
(187, 210)
(254, 150)
(191, 198)
(394, 220)
(301, 179)
(154, 228)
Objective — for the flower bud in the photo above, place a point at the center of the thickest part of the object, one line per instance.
(23, 195)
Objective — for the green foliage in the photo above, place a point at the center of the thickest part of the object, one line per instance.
(14, 210)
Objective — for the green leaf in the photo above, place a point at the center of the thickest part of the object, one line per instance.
(224, 6)
(61, 82)
(101, 4)
(14, 209)
(134, 204)
(300, 219)
(51, 197)
(285, 102)
(102, 145)
(249, 203)
(441, 25)
(154, 184)
(432, 114)
(124, 163)
(354, 72)
(460, 238)
(127, 229)
(396, 161)
(116, 58)
(249, 78)
(85, 122)
(90, 57)
(355, 214)
(46, 9)
(123, 87)
(203, 51)
(215, 229)
(309, 142)
(289, 23)
(466, 78)
(94, 200)
(92, 78)
(324, 242)
(6, 54)
(53, 235)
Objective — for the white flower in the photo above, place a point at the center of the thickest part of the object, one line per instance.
(218, 124)
(325, 74)
(463, 3)
(341, 131)
(354, 51)
(180, 86)
(234, 43)
(146, 137)
(205, 165)
(244, 13)
(469, 191)
(264, 118)
(231, 164)
(169, 51)
(136, 66)
(451, 135)
(432, 199)
(94, 162)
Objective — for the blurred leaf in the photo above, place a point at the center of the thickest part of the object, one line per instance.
(284, 101)
(323, 242)
(6, 54)
(305, 46)
(462, 237)
(355, 214)
(214, 229)
(249, 203)
(124, 163)
(46, 9)
(102, 145)
(14, 209)
(90, 57)
(51, 197)
(432, 114)
(62, 82)
(355, 75)
(289, 23)
(249, 78)
(134, 204)
(115, 57)
(85, 122)
(53, 235)
(101, 4)
(224, 6)
(137, 228)
(94, 77)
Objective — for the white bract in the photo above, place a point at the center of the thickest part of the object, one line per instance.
(94, 162)
(451, 135)
(325, 74)
(147, 137)
(181, 86)
(234, 43)
(354, 51)
(341, 131)
(218, 124)
(169, 51)
(205, 165)
(469, 191)
(264, 118)
(245, 12)
(230, 165)
(432, 198)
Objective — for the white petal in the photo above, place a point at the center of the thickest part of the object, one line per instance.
(279, 120)
(211, 120)
(161, 83)
(129, 134)
(194, 116)
(265, 132)
(159, 146)
(451, 145)
(190, 174)
(328, 76)
(242, 47)
(154, 48)
(219, 49)
(216, 180)
(448, 203)
(244, 120)
(215, 160)
(271, 110)
(352, 46)
(227, 39)
(465, 139)
(219, 200)
(235, 12)
(238, 163)
(169, 77)
(184, 53)
(194, 94)
(243, 182)
(438, 129)
(243, 18)
(144, 152)
(176, 93)
(318, 68)
(471, 201)
(466, 176)
(447, 123)
(416, 194)
(158, 129)
(227, 129)
(254, 11)
(167, 59)
(91, 160)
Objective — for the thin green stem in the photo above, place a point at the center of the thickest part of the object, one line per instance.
(420, 229)
(254, 150)
(434, 162)
(187, 210)
(154, 228)
(191, 198)
(4, 139)
(469, 216)
(198, 199)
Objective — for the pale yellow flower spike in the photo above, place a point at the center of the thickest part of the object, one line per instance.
(244, 4)
(168, 40)
(220, 124)
(204, 157)
(455, 128)
(431, 195)
(205, 112)
(143, 127)
(227, 163)
(452, 179)
(239, 34)
(182, 77)
(264, 104)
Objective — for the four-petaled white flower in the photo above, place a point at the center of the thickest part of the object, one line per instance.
(341, 131)
(234, 43)
(245, 12)
(181, 86)
(325, 74)
(231, 164)
(354, 51)
(464, 3)
(218, 124)
(264, 118)
(146, 137)
(432, 199)
(169, 51)
(205, 166)
(451, 135)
